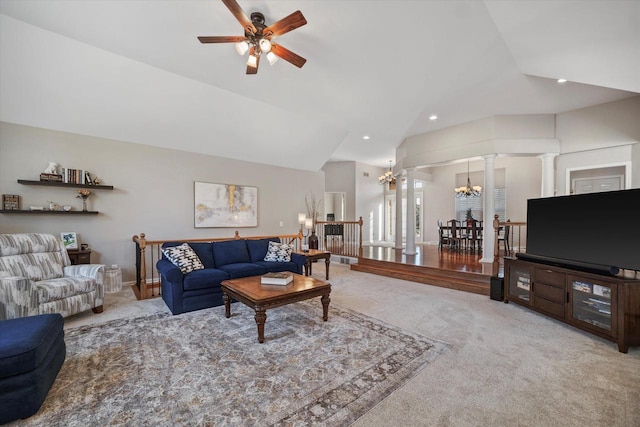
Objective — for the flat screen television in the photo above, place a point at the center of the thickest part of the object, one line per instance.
(596, 231)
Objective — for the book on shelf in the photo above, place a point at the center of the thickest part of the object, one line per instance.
(53, 177)
(280, 278)
(76, 176)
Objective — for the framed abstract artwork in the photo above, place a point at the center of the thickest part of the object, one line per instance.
(225, 205)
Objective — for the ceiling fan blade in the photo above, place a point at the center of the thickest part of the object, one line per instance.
(242, 17)
(286, 24)
(250, 69)
(221, 39)
(287, 55)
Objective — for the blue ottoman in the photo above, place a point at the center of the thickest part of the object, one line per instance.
(32, 351)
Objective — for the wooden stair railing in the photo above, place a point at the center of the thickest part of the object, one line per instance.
(514, 238)
(148, 252)
(340, 237)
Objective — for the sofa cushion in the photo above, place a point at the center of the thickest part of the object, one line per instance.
(243, 269)
(277, 267)
(183, 257)
(205, 278)
(279, 252)
(65, 287)
(204, 250)
(26, 341)
(258, 247)
(230, 252)
(28, 243)
(35, 266)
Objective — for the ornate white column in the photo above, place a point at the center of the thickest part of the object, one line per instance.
(411, 214)
(398, 223)
(548, 175)
(488, 236)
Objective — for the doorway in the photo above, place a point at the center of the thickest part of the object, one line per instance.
(390, 217)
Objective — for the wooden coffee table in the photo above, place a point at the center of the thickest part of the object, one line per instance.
(249, 291)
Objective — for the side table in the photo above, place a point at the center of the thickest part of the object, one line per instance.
(113, 279)
(312, 256)
(79, 256)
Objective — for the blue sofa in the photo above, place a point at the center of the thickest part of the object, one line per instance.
(224, 260)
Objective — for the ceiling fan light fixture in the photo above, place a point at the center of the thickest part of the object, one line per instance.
(242, 48)
(272, 58)
(252, 61)
(265, 45)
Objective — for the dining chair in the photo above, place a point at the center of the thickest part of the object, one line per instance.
(457, 239)
(444, 235)
(474, 235)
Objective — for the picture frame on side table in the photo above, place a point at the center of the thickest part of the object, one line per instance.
(69, 239)
(225, 205)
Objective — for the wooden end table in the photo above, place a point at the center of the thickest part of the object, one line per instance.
(312, 256)
(249, 291)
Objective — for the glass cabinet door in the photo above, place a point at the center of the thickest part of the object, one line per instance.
(520, 283)
(591, 304)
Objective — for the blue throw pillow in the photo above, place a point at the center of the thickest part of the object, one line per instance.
(258, 247)
(230, 252)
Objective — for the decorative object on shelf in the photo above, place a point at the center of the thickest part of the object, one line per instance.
(36, 208)
(96, 181)
(69, 239)
(53, 206)
(469, 190)
(66, 208)
(10, 202)
(84, 195)
(52, 169)
(388, 178)
(225, 205)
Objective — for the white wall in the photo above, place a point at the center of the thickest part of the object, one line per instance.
(600, 136)
(153, 191)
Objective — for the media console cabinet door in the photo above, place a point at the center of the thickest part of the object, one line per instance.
(592, 305)
(518, 283)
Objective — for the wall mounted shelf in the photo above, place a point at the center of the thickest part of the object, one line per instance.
(22, 211)
(64, 184)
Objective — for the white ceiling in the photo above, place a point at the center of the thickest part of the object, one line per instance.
(134, 71)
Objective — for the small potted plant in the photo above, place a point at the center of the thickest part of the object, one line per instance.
(84, 195)
(469, 218)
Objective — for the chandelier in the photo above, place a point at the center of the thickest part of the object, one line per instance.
(387, 177)
(468, 191)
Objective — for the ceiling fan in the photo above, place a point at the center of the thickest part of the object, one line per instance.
(258, 37)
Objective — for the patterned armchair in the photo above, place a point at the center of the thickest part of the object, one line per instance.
(36, 277)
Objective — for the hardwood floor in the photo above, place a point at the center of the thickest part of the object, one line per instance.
(450, 269)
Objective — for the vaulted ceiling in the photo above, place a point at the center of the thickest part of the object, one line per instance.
(135, 71)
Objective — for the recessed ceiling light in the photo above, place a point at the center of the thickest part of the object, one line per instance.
(433, 117)
(562, 80)
(366, 137)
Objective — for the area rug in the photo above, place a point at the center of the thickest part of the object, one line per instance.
(201, 368)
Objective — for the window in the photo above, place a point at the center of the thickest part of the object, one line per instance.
(476, 205)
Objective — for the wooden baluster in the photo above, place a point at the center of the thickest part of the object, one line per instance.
(496, 246)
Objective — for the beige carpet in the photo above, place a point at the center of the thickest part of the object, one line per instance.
(507, 366)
